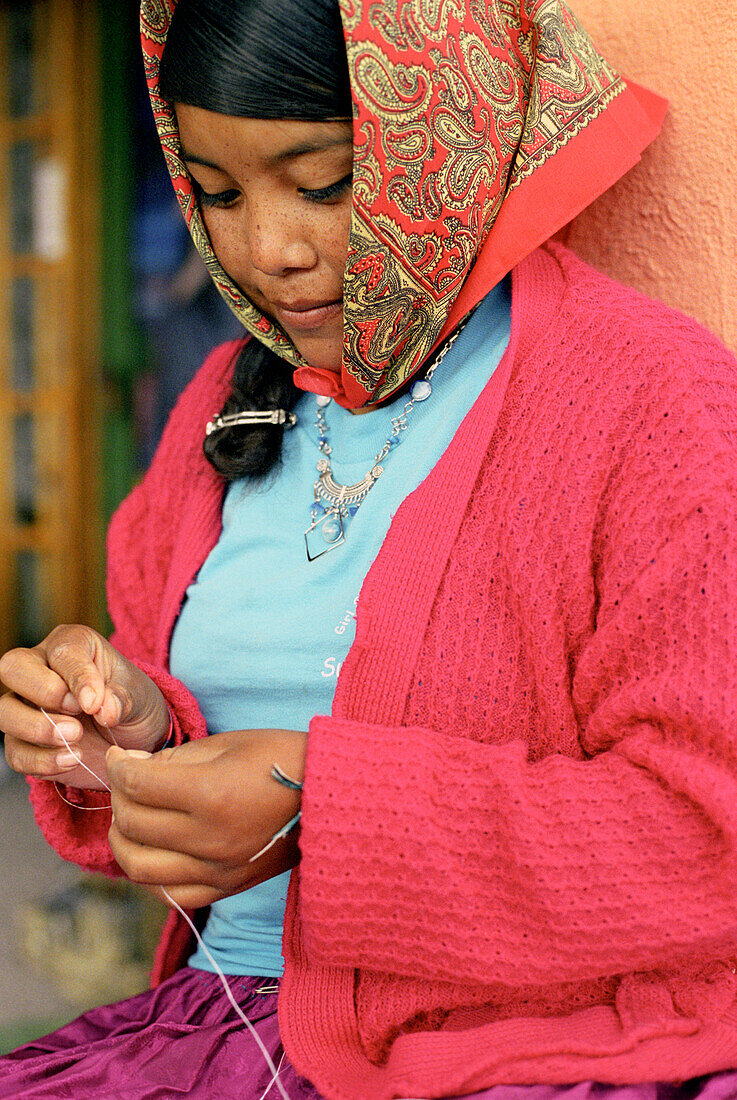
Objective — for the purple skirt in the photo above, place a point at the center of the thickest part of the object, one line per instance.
(183, 1039)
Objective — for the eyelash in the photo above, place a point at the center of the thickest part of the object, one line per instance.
(219, 199)
(224, 199)
(332, 191)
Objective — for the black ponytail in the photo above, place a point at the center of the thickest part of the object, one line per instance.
(257, 59)
(261, 381)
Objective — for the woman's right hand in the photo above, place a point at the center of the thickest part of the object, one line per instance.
(94, 695)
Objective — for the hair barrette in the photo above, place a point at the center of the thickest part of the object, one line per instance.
(232, 420)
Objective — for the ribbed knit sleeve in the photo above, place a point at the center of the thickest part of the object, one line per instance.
(598, 835)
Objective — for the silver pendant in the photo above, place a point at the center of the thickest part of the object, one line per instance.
(339, 495)
(324, 534)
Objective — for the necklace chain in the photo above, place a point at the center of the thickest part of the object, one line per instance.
(335, 503)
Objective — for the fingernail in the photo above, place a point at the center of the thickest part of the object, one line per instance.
(69, 702)
(66, 760)
(139, 754)
(87, 698)
(115, 712)
(70, 731)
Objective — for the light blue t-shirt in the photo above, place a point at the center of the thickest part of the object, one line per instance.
(263, 632)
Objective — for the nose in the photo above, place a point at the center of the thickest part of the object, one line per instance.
(277, 241)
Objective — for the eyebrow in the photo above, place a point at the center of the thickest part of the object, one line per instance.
(301, 149)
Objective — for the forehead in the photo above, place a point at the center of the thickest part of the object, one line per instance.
(217, 140)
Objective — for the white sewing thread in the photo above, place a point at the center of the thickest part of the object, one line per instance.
(259, 1042)
(277, 836)
(273, 1079)
(236, 1006)
(74, 805)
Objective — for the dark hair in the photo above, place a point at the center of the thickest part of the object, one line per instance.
(256, 59)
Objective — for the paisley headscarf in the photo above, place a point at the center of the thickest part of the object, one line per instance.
(481, 127)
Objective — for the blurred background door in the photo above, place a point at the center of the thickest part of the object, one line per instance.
(50, 385)
(106, 310)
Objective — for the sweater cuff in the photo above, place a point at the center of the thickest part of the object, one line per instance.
(81, 836)
(383, 816)
(186, 720)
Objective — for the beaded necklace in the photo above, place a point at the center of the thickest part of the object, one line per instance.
(334, 504)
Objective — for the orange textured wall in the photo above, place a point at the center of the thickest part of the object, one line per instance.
(669, 228)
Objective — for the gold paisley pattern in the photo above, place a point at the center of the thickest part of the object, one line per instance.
(367, 171)
(155, 19)
(408, 26)
(578, 84)
(498, 87)
(351, 14)
(456, 104)
(403, 315)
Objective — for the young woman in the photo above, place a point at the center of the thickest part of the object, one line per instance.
(514, 753)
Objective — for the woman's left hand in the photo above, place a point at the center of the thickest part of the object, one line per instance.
(191, 818)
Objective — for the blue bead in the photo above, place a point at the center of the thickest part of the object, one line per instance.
(317, 509)
(352, 511)
(394, 441)
(421, 390)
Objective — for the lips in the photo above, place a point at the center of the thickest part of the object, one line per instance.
(304, 315)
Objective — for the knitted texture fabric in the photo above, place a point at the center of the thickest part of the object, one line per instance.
(519, 828)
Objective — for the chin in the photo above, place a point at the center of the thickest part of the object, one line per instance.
(321, 357)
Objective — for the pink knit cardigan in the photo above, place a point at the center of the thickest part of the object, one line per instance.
(520, 821)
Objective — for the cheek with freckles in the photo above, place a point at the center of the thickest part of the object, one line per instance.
(276, 266)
